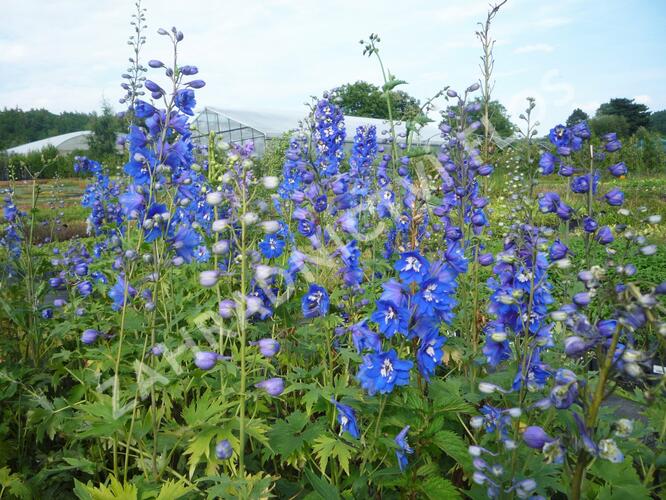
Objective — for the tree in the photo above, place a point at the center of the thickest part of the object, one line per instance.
(365, 99)
(104, 128)
(500, 118)
(658, 121)
(604, 124)
(577, 116)
(636, 114)
(497, 114)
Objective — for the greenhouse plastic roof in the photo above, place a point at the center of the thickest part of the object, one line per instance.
(64, 142)
(274, 124)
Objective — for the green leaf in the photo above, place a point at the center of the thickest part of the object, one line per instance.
(437, 488)
(446, 397)
(199, 446)
(454, 446)
(622, 480)
(172, 490)
(114, 491)
(392, 83)
(326, 447)
(13, 484)
(325, 489)
(285, 437)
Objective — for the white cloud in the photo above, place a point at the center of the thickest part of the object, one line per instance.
(536, 47)
(643, 99)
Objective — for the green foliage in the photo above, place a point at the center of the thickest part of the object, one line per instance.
(105, 128)
(658, 122)
(636, 114)
(603, 124)
(19, 127)
(576, 116)
(365, 99)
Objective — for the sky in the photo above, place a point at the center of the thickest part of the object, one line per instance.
(67, 55)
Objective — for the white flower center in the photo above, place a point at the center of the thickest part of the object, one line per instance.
(412, 263)
(387, 368)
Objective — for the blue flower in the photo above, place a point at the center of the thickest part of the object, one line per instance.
(117, 293)
(142, 109)
(496, 348)
(185, 101)
(403, 448)
(364, 338)
(412, 266)
(547, 163)
(614, 197)
(224, 450)
(315, 302)
(560, 136)
(382, 371)
(429, 354)
(618, 170)
(390, 318)
(185, 242)
(271, 246)
(346, 419)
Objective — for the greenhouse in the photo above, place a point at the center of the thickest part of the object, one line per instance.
(64, 143)
(260, 126)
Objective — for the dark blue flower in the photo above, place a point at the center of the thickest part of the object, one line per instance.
(271, 246)
(403, 448)
(618, 170)
(382, 371)
(547, 163)
(604, 236)
(364, 338)
(429, 354)
(346, 419)
(412, 266)
(315, 302)
(390, 318)
(185, 101)
(614, 197)
(117, 293)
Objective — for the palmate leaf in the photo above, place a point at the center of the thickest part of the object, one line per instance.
(13, 484)
(289, 436)
(205, 409)
(172, 490)
(199, 447)
(326, 447)
(114, 491)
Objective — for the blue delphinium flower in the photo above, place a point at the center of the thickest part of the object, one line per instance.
(271, 246)
(315, 302)
(117, 293)
(390, 318)
(403, 448)
(382, 371)
(185, 101)
(364, 338)
(412, 266)
(224, 450)
(346, 419)
(273, 386)
(429, 354)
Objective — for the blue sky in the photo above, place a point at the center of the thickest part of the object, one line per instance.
(68, 55)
